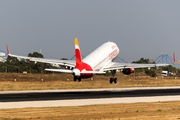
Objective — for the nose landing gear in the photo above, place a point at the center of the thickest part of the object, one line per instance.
(77, 78)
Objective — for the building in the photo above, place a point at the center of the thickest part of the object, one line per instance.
(3, 56)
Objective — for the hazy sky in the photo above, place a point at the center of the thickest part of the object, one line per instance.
(141, 28)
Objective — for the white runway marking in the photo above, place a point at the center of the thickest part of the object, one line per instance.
(83, 102)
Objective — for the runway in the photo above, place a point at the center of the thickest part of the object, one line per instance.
(78, 97)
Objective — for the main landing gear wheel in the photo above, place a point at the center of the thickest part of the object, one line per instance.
(75, 78)
(113, 79)
(79, 79)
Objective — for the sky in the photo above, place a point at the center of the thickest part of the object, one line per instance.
(140, 28)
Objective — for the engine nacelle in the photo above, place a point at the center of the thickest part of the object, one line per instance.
(127, 71)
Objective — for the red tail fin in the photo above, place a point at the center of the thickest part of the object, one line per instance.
(174, 58)
(7, 49)
(77, 53)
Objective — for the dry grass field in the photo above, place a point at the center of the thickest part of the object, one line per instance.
(135, 111)
(14, 81)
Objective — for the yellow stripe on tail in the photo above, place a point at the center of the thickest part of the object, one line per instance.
(77, 53)
(76, 41)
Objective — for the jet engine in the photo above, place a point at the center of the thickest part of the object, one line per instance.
(127, 71)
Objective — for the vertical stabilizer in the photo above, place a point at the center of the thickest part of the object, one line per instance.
(7, 49)
(77, 53)
(174, 60)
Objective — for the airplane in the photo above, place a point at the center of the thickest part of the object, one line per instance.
(97, 62)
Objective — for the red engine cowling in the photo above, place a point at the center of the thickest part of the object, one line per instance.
(128, 71)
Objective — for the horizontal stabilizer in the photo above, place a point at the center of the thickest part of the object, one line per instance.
(71, 71)
(60, 70)
(93, 72)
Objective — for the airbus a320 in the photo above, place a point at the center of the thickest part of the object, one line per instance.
(97, 62)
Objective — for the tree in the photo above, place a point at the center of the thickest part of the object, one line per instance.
(35, 54)
(142, 61)
(170, 67)
(14, 64)
(63, 59)
(37, 67)
(151, 73)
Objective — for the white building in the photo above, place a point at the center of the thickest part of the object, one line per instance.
(3, 56)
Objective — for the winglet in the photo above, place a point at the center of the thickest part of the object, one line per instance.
(77, 53)
(7, 49)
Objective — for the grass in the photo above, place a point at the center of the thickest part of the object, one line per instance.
(135, 111)
(17, 82)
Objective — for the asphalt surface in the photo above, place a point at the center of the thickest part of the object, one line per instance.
(78, 95)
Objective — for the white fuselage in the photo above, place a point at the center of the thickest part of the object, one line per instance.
(102, 56)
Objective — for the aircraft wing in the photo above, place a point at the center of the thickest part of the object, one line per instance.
(116, 66)
(70, 63)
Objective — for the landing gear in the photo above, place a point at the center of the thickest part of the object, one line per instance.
(75, 79)
(113, 79)
(79, 79)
